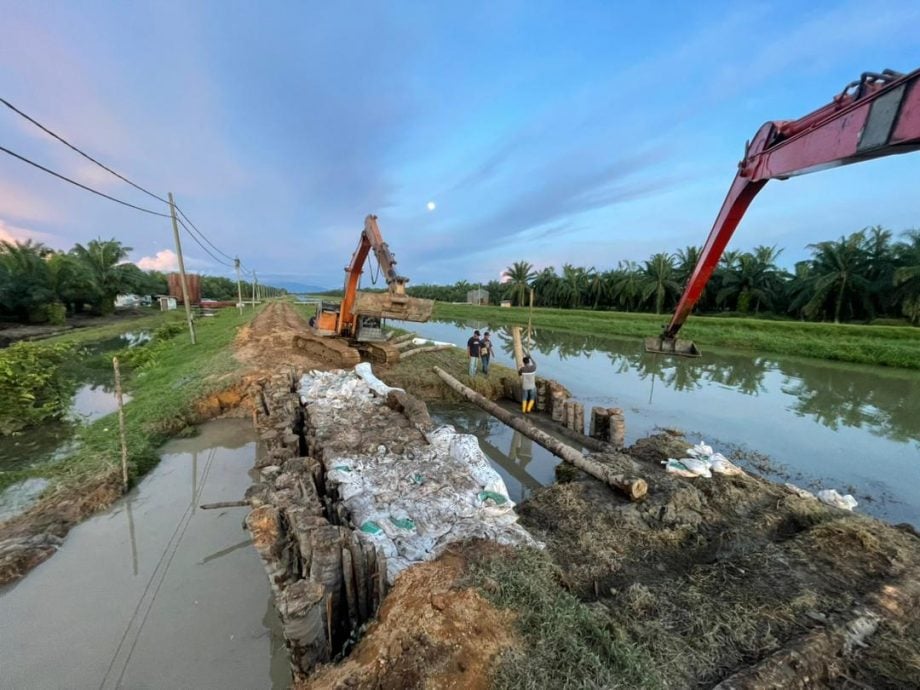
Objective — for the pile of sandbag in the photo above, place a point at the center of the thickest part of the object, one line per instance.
(414, 502)
(701, 461)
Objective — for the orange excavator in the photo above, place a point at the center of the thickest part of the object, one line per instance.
(874, 116)
(343, 333)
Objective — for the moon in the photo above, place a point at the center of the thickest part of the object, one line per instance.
(431, 206)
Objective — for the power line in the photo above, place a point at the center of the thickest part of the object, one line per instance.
(82, 186)
(82, 153)
(206, 250)
(203, 236)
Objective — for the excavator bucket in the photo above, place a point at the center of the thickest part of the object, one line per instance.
(387, 305)
(672, 346)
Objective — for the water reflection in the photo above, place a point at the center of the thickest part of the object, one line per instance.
(883, 401)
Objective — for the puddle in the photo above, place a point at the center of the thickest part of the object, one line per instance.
(16, 498)
(154, 592)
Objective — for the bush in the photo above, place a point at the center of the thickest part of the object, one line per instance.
(33, 387)
(56, 313)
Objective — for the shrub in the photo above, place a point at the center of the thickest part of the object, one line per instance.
(33, 387)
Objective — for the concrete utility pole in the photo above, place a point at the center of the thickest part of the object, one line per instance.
(255, 281)
(188, 307)
(239, 288)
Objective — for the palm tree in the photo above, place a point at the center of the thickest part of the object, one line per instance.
(686, 258)
(25, 281)
(572, 285)
(519, 275)
(658, 281)
(907, 277)
(102, 259)
(839, 277)
(545, 286)
(751, 278)
(627, 285)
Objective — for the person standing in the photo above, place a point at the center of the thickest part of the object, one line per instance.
(472, 349)
(528, 384)
(485, 352)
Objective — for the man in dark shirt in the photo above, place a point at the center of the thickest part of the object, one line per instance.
(472, 349)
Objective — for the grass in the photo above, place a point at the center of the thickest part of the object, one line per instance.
(566, 643)
(891, 346)
(164, 392)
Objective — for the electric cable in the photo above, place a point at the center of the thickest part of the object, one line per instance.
(82, 186)
(205, 249)
(203, 236)
(82, 153)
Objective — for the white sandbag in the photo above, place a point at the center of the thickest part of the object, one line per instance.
(700, 450)
(379, 387)
(719, 464)
(832, 498)
(698, 466)
(677, 467)
(426, 341)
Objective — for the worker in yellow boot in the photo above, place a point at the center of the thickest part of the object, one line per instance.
(528, 374)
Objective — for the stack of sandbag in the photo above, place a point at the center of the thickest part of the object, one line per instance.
(701, 461)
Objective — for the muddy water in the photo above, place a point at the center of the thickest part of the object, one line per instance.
(154, 592)
(819, 424)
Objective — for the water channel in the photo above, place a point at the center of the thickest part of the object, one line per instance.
(154, 592)
(818, 424)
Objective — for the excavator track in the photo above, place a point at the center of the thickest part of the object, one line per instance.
(379, 352)
(333, 351)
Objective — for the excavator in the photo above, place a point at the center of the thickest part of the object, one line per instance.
(876, 115)
(343, 333)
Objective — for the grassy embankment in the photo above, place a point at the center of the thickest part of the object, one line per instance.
(171, 375)
(892, 346)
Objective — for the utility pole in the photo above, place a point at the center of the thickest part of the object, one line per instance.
(239, 288)
(188, 307)
(255, 280)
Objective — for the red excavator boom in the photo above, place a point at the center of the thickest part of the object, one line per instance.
(878, 115)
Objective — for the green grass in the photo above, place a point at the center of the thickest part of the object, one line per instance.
(164, 392)
(86, 334)
(566, 644)
(892, 346)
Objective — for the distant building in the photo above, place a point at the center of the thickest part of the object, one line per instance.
(123, 301)
(479, 296)
(167, 303)
(192, 282)
(506, 303)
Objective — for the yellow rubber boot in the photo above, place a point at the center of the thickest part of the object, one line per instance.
(530, 405)
(524, 406)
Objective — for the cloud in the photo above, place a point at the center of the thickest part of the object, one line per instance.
(163, 260)
(14, 233)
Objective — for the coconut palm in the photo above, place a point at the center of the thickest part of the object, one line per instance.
(519, 274)
(658, 281)
(907, 277)
(839, 278)
(627, 285)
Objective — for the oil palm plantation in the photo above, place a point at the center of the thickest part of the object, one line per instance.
(907, 277)
(103, 259)
(839, 284)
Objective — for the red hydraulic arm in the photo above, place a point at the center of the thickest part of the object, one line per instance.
(370, 239)
(878, 115)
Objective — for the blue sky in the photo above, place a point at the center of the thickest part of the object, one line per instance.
(548, 132)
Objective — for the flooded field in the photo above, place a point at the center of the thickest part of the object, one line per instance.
(815, 423)
(154, 592)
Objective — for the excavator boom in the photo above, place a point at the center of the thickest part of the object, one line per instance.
(877, 115)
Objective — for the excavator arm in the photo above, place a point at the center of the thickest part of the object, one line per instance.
(877, 115)
(396, 284)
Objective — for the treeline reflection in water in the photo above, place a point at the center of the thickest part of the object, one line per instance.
(885, 402)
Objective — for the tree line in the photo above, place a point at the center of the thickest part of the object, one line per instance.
(39, 284)
(864, 276)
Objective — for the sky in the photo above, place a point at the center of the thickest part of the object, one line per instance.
(586, 132)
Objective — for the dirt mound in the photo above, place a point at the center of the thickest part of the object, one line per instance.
(711, 576)
(267, 342)
(433, 631)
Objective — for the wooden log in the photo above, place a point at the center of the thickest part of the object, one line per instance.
(547, 424)
(543, 395)
(402, 344)
(617, 430)
(305, 624)
(382, 572)
(634, 487)
(518, 348)
(557, 404)
(403, 338)
(223, 504)
(370, 567)
(569, 419)
(426, 348)
(360, 567)
(351, 596)
(579, 425)
(600, 423)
